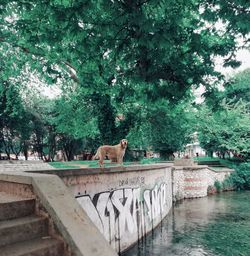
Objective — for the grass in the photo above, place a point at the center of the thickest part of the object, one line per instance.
(206, 158)
(62, 165)
(149, 160)
(83, 164)
(74, 164)
(230, 163)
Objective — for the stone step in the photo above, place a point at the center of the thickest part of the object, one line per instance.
(21, 229)
(12, 206)
(215, 162)
(37, 247)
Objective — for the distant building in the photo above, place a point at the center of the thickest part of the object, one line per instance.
(194, 149)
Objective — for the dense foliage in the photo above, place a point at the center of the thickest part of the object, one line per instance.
(226, 129)
(237, 180)
(240, 178)
(126, 69)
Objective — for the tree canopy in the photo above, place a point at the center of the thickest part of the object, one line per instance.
(121, 61)
(227, 129)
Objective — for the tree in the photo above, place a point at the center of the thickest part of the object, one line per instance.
(166, 128)
(42, 135)
(15, 125)
(226, 130)
(138, 52)
(234, 13)
(14, 122)
(74, 122)
(237, 87)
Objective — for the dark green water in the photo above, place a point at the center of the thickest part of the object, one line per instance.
(217, 225)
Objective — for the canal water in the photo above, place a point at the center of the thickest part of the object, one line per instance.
(217, 225)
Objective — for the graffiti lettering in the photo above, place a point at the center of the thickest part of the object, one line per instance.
(126, 211)
(132, 181)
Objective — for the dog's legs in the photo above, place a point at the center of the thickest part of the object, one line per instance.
(96, 156)
(101, 158)
(113, 160)
(119, 160)
(101, 163)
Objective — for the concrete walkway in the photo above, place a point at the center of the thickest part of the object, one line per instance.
(20, 165)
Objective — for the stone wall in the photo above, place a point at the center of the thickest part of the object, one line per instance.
(65, 214)
(193, 181)
(125, 203)
(178, 184)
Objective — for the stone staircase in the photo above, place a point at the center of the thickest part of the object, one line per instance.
(22, 232)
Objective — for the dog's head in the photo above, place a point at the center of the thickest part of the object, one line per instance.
(124, 143)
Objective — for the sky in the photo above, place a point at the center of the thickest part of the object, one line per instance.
(242, 55)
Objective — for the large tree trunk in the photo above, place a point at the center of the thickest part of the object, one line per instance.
(68, 153)
(106, 118)
(6, 149)
(69, 148)
(25, 150)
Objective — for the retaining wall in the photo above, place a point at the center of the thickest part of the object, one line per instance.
(125, 203)
(53, 197)
(193, 181)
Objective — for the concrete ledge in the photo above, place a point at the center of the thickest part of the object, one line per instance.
(115, 169)
(222, 170)
(190, 168)
(16, 177)
(199, 167)
(72, 222)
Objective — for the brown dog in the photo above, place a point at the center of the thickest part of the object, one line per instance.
(114, 153)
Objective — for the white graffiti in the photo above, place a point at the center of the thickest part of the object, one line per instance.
(126, 211)
(157, 201)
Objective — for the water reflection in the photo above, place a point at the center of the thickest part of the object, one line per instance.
(211, 226)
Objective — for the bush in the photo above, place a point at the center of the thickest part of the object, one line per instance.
(240, 179)
(218, 186)
(149, 160)
(228, 184)
(133, 156)
(211, 190)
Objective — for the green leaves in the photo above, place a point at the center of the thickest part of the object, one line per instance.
(63, 3)
(141, 58)
(227, 128)
(165, 128)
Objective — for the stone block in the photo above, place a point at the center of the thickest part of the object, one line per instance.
(184, 162)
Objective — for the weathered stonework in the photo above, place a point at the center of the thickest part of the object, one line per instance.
(126, 204)
(178, 184)
(193, 181)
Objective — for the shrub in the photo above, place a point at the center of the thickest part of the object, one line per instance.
(149, 160)
(240, 179)
(211, 190)
(228, 184)
(218, 186)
